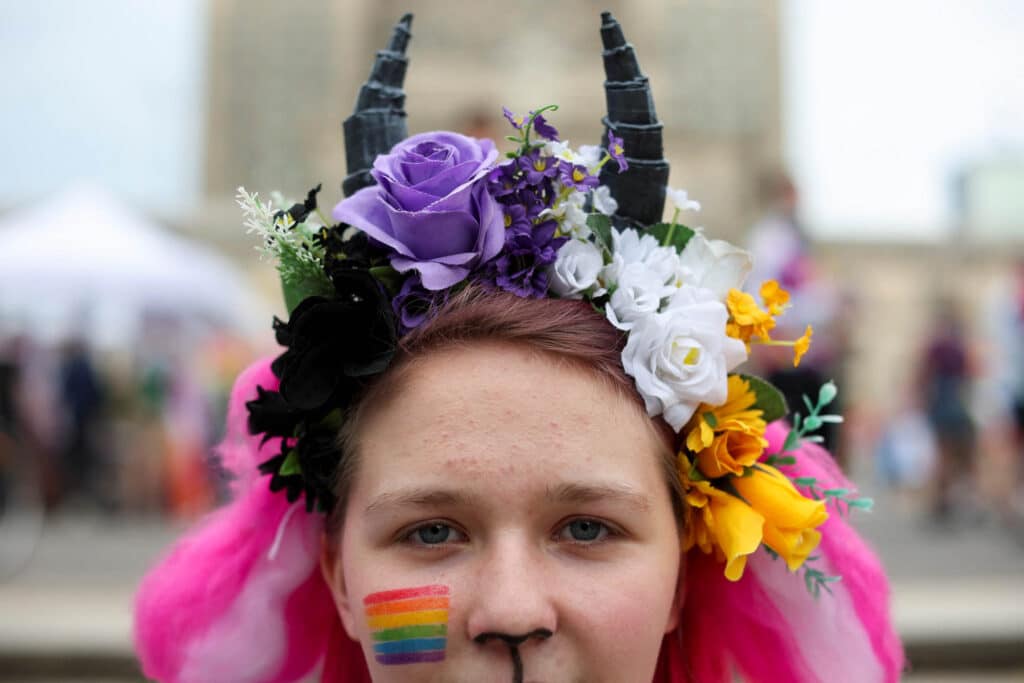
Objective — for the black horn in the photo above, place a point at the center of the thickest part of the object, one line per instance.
(378, 122)
(640, 190)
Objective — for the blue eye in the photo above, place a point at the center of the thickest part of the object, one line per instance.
(585, 531)
(435, 533)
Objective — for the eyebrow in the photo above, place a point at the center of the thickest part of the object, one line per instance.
(574, 493)
(417, 497)
(595, 493)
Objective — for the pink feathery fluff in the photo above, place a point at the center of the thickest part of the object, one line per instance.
(768, 627)
(241, 598)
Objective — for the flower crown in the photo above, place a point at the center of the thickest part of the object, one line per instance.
(426, 215)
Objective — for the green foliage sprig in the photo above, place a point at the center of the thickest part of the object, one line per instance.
(294, 247)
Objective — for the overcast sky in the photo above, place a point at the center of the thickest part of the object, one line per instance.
(108, 90)
(884, 101)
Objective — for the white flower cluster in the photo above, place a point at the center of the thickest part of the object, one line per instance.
(671, 304)
(568, 207)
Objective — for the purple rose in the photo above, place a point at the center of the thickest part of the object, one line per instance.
(431, 207)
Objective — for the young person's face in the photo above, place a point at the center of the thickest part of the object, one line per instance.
(523, 504)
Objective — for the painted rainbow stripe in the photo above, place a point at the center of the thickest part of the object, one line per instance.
(409, 625)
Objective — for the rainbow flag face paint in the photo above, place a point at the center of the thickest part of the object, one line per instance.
(409, 625)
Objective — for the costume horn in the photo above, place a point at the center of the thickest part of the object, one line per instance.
(378, 122)
(640, 190)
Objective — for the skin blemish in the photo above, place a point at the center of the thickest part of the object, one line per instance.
(408, 625)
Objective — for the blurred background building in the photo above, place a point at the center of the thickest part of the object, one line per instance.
(883, 142)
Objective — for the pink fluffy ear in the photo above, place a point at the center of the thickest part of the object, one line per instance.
(768, 627)
(241, 597)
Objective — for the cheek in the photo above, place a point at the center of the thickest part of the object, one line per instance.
(625, 618)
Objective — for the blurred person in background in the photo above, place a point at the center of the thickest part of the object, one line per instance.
(1003, 390)
(9, 419)
(81, 402)
(781, 251)
(944, 383)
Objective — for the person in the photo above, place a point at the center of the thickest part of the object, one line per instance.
(81, 396)
(506, 443)
(944, 378)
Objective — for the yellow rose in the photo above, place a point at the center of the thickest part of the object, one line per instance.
(729, 437)
(790, 519)
(719, 522)
(725, 523)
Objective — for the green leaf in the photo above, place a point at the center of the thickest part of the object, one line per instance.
(695, 474)
(807, 402)
(792, 441)
(770, 400)
(297, 288)
(805, 481)
(785, 460)
(861, 503)
(837, 419)
(812, 423)
(290, 465)
(601, 226)
(387, 276)
(666, 233)
(836, 493)
(710, 418)
(827, 393)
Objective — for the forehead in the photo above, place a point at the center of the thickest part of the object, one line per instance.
(502, 415)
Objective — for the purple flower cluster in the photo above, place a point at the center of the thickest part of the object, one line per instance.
(527, 182)
(539, 123)
(522, 266)
(525, 187)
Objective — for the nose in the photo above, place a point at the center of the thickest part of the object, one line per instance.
(511, 600)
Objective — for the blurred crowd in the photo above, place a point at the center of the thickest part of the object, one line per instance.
(957, 426)
(125, 432)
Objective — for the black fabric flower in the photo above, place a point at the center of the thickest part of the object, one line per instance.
(306, 467)
(271, 415)
(333, 344)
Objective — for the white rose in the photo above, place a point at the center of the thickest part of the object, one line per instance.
(629, 247)
(713, 264)
(681, 358)
(604, 201)
(576, 269)
(638, 293)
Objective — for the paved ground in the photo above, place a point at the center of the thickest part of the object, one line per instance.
(68, 584)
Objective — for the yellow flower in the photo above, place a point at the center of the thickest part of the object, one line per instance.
(801, 345)
(747, 319)
(774, 297)
(729, 437)
(719, 522)
(790, 519)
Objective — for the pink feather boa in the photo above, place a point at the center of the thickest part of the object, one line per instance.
(241, 597)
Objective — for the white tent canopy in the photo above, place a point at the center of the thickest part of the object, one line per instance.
(86, 263)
